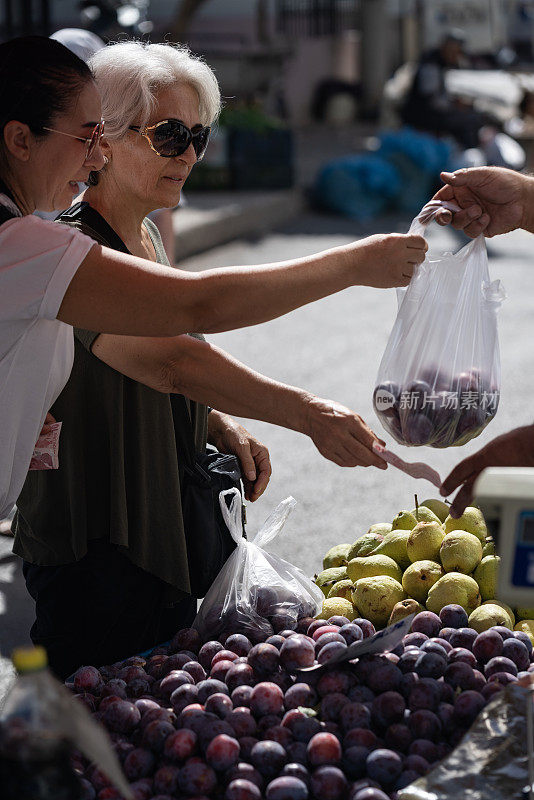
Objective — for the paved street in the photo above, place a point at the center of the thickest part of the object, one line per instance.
(333, 348)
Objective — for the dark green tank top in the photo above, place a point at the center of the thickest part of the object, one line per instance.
(119, 460)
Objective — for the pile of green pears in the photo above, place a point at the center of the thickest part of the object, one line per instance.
(424, 559)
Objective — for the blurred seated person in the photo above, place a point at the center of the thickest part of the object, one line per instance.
(429, 106)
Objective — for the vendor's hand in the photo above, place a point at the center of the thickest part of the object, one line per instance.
(493, 200)
(390, 259)
(49, 420)
(340, 435)
(513, 449)
(230, 437)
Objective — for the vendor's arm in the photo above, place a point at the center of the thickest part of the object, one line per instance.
(208, 375)
(493, 200)
(229, 436)
(118, 293)
(513, 449)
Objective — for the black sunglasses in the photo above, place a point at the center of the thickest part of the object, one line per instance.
(170, 137)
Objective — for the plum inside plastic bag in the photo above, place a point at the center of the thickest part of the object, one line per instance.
(438, 382)
(256, 593)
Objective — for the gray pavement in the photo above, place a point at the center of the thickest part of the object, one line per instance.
(333, 348)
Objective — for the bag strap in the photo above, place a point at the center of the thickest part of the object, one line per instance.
(184, 430)
(84, 213)
(6, 214)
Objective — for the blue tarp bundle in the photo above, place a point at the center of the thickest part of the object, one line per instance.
(425, 151)
(401, 175)
(359, 187)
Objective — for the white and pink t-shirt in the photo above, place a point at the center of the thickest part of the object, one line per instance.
(38, 260)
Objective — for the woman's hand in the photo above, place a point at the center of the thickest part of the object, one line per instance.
(230, 437)
(388, 260)
(341, 435)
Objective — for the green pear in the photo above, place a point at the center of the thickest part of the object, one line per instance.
(404, 521)
(336, 556)
(424, 514)
(487, 615)
(489, 548)
(454, 587)
(394, 546)
(365, 545)
(336, 607)
(376, 597)
(383, 528)
(342, 589)
(486, 576)
(326, 579)
(404, 609)
(504, 607)
(460, 552)
(471, 521)
(367, 566)
(424, 542)
(419, 577)
(440, 509)
(524, 613)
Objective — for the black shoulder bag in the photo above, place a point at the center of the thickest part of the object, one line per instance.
(202, 475)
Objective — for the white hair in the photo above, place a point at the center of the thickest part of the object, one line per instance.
(130, 74)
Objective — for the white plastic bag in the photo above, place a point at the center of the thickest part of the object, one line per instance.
(439, 379)
(256, 593)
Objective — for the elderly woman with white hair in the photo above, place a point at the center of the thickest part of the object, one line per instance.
(103, 537)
